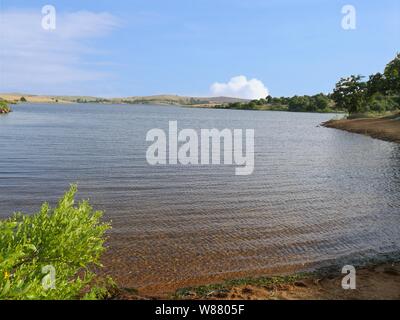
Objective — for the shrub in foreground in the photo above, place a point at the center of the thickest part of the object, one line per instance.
(51, 254)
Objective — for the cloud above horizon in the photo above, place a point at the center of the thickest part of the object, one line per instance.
(48, 61)
(240, 87)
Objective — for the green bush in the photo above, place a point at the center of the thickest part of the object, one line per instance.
(68, 239)
(382, 103)
(4, 108)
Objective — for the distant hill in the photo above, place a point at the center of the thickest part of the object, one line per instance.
(156, 99)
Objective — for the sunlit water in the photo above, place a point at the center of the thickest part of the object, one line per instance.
(316, 196)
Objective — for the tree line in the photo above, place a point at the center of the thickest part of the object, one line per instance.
(380, 93)
(316, 103)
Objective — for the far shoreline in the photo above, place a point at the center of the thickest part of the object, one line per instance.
(165, 104)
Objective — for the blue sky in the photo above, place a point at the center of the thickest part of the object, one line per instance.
(125, 48)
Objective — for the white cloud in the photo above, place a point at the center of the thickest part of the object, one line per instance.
(240, 87)
(51, 61)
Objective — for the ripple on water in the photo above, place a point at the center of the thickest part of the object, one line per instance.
(316, 194)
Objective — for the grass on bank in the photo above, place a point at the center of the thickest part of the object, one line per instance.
(68, 239)
(224, 287)
(374, 115)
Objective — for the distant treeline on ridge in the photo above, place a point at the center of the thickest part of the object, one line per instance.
(379, 94)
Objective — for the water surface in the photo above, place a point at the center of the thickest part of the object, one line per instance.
(317, 195)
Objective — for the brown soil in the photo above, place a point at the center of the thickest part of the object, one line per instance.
(387, 128)
(382, 282)
(373, 282)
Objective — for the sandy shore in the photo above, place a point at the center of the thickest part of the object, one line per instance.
(372, 282)
(386, 128)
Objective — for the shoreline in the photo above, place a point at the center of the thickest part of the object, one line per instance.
(161, 100)
(375, 281)
(385, 128)
(166, 104)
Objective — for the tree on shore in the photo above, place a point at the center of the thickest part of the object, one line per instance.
(380, 93)
(349, 94)
(392, 75)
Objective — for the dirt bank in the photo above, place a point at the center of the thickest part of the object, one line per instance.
(379, 282)
(372, 282)
(387, 128)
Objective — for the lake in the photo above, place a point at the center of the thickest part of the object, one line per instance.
(317, 196)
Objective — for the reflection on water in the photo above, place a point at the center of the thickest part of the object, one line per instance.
(316, 194)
